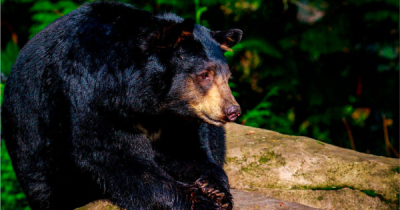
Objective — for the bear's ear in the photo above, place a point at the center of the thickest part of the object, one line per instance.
(175, 33)
(228, 38)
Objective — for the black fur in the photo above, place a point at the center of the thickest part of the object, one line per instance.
(86, 93)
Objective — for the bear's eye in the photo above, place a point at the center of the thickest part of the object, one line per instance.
(204, 75)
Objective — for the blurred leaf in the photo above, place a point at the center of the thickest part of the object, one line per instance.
(258, 115)
(169, 2)
(388, 52)
(347, 110)
(381, 15)
(291, 115)
(198, 14)
(308, 13)
(303, 127)
(238, 8)
(17, 1)
(362, 2)
(258, 45)
(45, 12)
(360, 115)
(352, 99)
(321, 134)
(287, 42)
(12, 196)
(1, 94)
(316, 98)
(324, 40)
(42, 6)
(8, 57)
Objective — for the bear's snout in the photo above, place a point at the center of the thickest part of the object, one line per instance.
(232, 112)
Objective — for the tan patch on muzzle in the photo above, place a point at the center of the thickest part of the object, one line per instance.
(211, 106)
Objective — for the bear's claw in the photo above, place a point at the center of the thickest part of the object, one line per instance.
(200, 201)
(223, 199)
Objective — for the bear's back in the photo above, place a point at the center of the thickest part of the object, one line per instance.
(69, 53)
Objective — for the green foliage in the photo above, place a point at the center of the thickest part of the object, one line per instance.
(323, 40)
(8, 56)
(382, 15)
(17, 1)
(170, 2)
(258, 45)
(363, 2)
(1, 94)
(261, 115)
(199, 10)
(46, 12)
(12, 196)
(315, 66)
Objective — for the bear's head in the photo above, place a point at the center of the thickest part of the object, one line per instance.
(199, 86)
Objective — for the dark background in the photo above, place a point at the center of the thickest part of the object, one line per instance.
(324, 69)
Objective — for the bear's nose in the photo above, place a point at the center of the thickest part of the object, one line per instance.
(232, 112)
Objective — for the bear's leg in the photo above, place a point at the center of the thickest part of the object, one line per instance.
(38, 180)
(49, 187)
(204, 166)
(37, 190)
(207, 176)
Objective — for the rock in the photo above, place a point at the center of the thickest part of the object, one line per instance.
(309, 172)
(257, 201)
(243, 201)
(99, 205)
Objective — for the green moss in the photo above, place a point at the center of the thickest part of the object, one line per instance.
(251, 167)
(320, 198)
(397, 169)
(329, 188)
(259, 162)
(245, 169)
(271, 155)
(251, 185)
(230, 159)
(370, 193)
(374, 194)
(263, 160)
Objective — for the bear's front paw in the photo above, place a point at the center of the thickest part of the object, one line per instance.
(199, 201)
(218, 195)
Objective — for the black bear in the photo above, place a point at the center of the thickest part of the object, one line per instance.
(112, 102)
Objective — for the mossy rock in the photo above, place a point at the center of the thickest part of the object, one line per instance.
(309, 172)
(243, 201)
